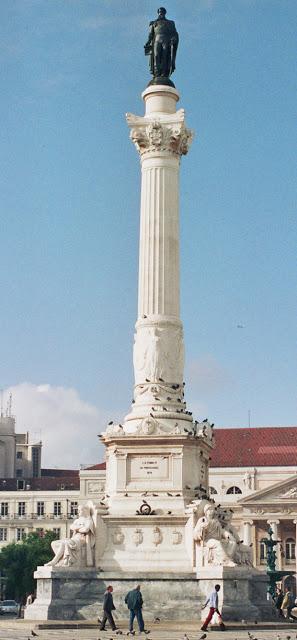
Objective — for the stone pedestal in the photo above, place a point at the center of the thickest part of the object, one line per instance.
(69, 594)
(243, 593)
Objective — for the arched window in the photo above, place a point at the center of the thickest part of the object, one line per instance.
(212, 490)
(263, 551)
(290, 549)
(234, 490)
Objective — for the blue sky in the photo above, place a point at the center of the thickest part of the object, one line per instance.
(70, 188)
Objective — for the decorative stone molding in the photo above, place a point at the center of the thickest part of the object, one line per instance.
(290, 493)
(166, 133)
(118, 536)
(176, 536)
(157, 536)
(137, 537)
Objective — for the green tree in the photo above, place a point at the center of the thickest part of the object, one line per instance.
(19, 560)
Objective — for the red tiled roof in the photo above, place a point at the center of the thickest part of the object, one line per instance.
(255, 447)
(94, 467)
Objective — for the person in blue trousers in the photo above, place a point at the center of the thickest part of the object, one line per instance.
(134, 602)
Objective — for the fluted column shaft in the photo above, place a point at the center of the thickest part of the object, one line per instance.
(158, 290)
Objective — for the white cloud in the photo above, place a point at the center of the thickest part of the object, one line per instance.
(66, 424)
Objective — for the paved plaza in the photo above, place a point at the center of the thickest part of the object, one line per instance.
(22, 630)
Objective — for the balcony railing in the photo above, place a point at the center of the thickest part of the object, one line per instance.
(36, 516)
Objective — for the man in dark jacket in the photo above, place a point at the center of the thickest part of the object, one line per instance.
(134, 603)
(108, 607)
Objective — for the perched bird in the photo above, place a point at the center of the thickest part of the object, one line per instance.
(169, 494)
(111, 422)
(169, 513)
(119, 632)
(133, 402)
(147, 380)
(156, 620)
(164, 409)
(155, 495)
(175, 386)
(187, 486)
(204, 635)
(206, 420)
(144, 316)
(177, 495)
(35, 635)
(168, 398)
(186, 637)
(126, 495)
(161, 380)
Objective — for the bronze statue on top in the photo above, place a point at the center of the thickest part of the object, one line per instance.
(161, 47)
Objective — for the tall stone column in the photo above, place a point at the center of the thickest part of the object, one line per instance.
(161, 138)
(247, 531)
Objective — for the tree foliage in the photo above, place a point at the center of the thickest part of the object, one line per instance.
(19, 560)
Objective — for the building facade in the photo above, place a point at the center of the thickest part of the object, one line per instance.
(253, 471)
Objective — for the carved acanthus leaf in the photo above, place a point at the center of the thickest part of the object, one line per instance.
(163, 134)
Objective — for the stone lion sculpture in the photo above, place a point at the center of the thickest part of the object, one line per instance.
(78, 550)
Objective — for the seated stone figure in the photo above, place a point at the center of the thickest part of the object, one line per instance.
(78, 550)
(215, 533)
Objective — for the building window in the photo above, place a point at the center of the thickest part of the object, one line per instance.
(3, 534)
(57, 508)
(57, 532)
(20, 534)
(40, 508)
(233, 490)
(212, 490)
(263, 552)
(20, 484)
(35, 461)
(19, 455)
(73, 508)
(19, 473)
(4, 509)
(290, 549)
(21, 508)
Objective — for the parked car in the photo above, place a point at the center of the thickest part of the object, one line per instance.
(9, 606)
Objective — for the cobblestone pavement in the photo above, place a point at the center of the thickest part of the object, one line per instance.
(22, 630)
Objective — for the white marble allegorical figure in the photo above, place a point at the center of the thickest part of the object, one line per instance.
(78, 550)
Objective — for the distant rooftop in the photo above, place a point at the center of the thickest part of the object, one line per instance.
(255, 447)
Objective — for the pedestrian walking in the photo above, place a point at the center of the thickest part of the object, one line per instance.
(108, 607)
(278, 602)
(288, 603)
(213, 602)
(134, 602)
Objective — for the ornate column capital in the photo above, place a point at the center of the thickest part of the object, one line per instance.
(273, 521)
(165, 133)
